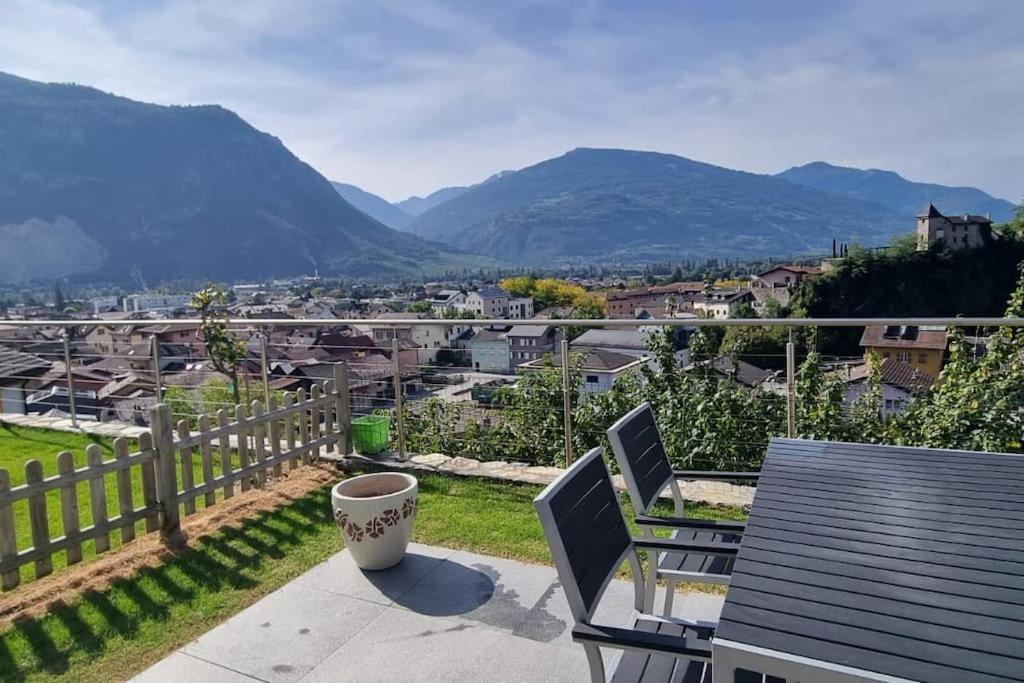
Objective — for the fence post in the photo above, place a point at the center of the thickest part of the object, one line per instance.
(567, 402)
(72, 406)
(790, 387)
(154, 349)
(396, 369)
(265, 368)
(166, 476)
(343, 408)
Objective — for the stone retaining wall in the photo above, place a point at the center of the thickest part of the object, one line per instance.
(708, 492)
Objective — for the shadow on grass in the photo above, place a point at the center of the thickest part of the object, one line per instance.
(230, 560)
(53, 439)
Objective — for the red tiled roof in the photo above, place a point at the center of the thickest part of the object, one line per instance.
(894, 372)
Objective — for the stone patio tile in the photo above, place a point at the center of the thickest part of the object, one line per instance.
(550, 620)
(405, 646)
(285, 635)
(182, 667)
(480, 590)
(339, 574)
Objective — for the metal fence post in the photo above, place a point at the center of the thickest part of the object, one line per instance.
(566, 402)
(166, 476)
(343, 408)
(790, 387)
(396, 369)
(154, 346)
(72, 405)
(265, 368)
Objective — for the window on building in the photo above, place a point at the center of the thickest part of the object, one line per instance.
(922, 358)
(885, 354)
(903, 357)
(888, 404)
(592, 379)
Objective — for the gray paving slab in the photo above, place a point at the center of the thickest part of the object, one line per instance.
(339, 574)
(440, 615)
(406, 646)
(285, 635)
(182, 667)
(480, 590)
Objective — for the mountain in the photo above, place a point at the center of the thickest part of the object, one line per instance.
(416, 206)
(375, 207)
(895, 191)
(618, 204)
(95, 185)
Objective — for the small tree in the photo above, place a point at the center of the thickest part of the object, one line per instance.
(224, 350)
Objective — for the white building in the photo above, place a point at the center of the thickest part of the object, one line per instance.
(104, 304)
(137, 303)
(598, 368)
(488, 302)
(721, 303)
(520, 308)
(447, 300)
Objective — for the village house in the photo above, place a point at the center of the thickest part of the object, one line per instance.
(16, 371)
(747, 374)
(598, 368)
(784, 277)
(923, 348)
(520, 308)
(721, 303)
(901, 383)
(107, 339)
(530, 342)
(488, 302)
(489, 350)
(678, 295)
(957, 232)
(137, 303)
(628, 342)
(447, 300)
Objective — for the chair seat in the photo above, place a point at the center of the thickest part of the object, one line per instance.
(638, 667)
(697, 563)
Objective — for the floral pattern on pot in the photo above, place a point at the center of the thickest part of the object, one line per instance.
(377, 526)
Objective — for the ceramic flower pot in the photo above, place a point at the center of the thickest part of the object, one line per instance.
(375, 514)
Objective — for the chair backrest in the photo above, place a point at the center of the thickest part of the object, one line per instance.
(641, 456)
(582, 520)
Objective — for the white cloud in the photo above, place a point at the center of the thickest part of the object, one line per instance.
(402, 98)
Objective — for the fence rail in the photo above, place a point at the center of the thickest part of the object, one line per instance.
(254, 442)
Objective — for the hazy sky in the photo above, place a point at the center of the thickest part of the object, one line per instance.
(405, 97)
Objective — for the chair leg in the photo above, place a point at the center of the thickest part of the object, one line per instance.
(596, 663)
(670, 594)
(652, 581)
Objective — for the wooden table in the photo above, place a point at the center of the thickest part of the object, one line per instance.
(877, 563)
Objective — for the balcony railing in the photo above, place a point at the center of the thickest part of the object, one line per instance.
(303, 381)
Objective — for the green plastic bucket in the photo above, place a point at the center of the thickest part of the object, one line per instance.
(370, 434)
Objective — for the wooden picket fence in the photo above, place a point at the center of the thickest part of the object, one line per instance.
(246, 443)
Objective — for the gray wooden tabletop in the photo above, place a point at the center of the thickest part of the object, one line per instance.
(903, 561)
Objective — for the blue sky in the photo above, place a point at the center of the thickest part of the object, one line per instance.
(402, 98)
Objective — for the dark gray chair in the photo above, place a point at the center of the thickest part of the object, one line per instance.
(582, 519)
(645, 466)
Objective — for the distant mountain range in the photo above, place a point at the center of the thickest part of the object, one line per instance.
(374, 206)
(624, 205)
(627, 205)
(96, 185)
(893, 190)
(416, 206)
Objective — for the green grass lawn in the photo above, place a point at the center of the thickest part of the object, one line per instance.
(113, 634)
(18, 445)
